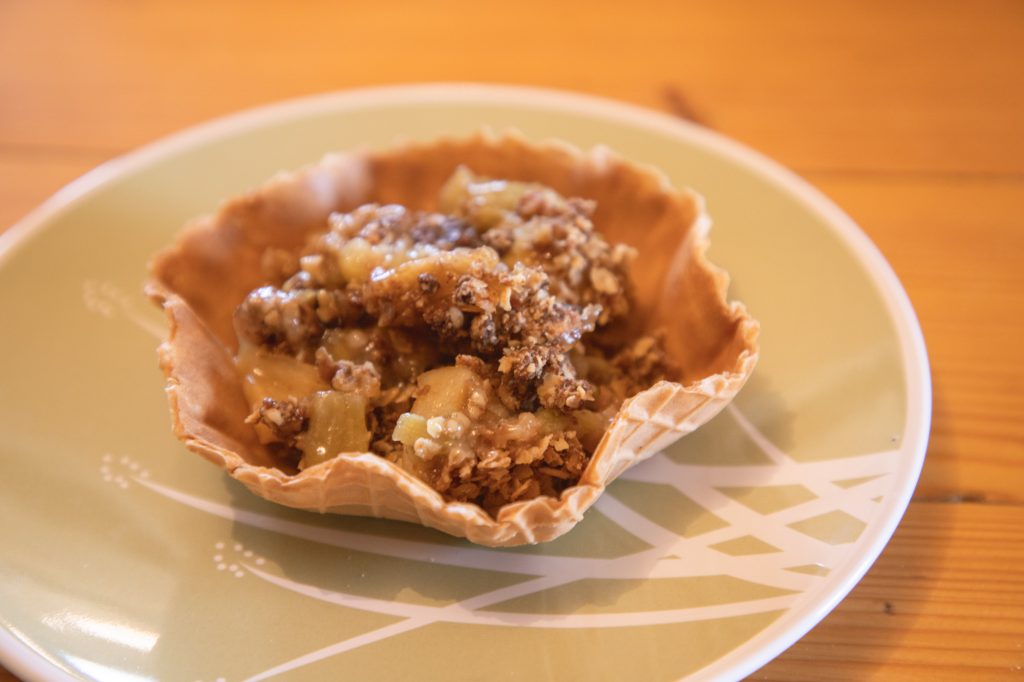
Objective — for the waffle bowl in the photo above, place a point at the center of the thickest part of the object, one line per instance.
(200, 280)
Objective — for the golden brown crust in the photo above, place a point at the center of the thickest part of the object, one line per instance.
(712, 341)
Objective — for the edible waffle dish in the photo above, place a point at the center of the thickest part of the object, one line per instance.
(474, 334)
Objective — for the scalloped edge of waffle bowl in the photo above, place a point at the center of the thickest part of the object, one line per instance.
(714, 341)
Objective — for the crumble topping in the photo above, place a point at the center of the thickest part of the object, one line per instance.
(479, 347)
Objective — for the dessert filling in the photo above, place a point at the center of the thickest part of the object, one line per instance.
(483, 347)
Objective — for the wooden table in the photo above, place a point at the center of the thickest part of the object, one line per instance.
(910, 115)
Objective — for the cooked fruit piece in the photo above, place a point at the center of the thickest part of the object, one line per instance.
(410, 428)
(337, 424)
(483, 202)
(281, 377)
(445, 391)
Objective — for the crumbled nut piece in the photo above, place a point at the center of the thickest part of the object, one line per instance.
(291, 319)
(285, 419)
(604, 281)
(471, 293)
(428, 283)
(352, 378)
(276, 318)
(644, 362)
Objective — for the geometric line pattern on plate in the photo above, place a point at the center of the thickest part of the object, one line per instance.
(661, 561)
(107, 300)
(700, 483)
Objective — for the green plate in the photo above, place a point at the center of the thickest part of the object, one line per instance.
(127, 558)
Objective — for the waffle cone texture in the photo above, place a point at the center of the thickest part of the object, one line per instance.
(215, 262)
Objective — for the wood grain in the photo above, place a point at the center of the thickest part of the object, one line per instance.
(27, 178)
(910, 115)
(944, 602)
(911, 86)
(956, 245)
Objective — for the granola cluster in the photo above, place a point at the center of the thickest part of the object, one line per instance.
(478, 346)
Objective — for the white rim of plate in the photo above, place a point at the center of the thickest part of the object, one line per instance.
(767, 644)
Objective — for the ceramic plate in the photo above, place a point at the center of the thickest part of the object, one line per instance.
(124, 557)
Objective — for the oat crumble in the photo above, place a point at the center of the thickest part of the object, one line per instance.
(476, 346)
